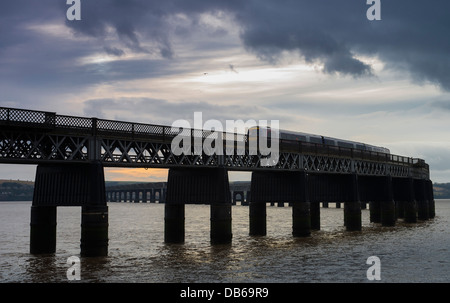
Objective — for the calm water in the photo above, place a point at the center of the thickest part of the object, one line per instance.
(408, 252)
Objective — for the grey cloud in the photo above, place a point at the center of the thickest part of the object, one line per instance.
(412, 37)
(158, 111)
(441, 104)
(114, 51)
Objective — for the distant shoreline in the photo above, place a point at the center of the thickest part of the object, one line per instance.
(19, 190)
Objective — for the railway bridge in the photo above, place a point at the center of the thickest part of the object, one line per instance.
(71, 152)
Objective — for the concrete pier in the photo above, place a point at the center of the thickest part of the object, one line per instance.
(198, 186)
(70, 185)
(280, 187)
(94, 231)
(430, 197)
(352, 207)
(174, 219)
(409, 203)
(387, 204)
(257, 218)
(221, 223)
(314, 209)
(301, 219)
(43, 230)
(422, 200)
(375, 211)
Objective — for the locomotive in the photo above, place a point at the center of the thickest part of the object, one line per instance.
(255, 132)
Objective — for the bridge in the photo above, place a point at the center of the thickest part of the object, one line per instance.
(71, 152)
(153, 192)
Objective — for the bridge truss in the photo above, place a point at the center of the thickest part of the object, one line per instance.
(34, 137)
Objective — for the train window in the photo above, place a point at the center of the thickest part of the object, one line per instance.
(359, 146)
(315, 140)
(329, 142)
(345, 144)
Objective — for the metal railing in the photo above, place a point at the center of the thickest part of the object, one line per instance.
(95, 126)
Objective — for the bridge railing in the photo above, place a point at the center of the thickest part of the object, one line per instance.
(95, 126)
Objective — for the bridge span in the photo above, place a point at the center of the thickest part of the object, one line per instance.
(70, 153)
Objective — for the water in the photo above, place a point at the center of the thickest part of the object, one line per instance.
(408, 252)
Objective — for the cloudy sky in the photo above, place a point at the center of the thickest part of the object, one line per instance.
(316, 66)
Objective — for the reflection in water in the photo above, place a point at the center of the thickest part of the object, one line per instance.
(137, 252)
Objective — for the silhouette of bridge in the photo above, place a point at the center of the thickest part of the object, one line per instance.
(71, 153)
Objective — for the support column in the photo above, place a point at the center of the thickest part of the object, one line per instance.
(144, 196)
(352, 208)
(258, 218)
(94, 230)
(422, 202)
(198, 186)
(301, 209)
(314, 208)
(325, 204)
(220, 223)
(70, 185)
(430, 196)
(153, 196)
(301, 219)
(388, 204)
(375, 211)
(94, 213)
(174, 222)
(400, 209)
(410, 205)
(247, 198)
(43, 230)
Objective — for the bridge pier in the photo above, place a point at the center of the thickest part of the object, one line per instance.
(70, 185)
(352, 207)
(43, 230)
(404, 196)
(258, 218)
(420, 191)
(388, 217)
(94, 230)
(410, 204)
(198, 186)
(380, 194)
(339, 188)
(174, 222)
(375, 211)
(430, 196)
(280, 187)
(314, 208)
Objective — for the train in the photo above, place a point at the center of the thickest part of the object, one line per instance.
(254, 132)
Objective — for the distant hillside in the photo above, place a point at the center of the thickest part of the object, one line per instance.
(441, 190)
(17, 190)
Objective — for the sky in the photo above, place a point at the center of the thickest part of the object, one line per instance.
(319, 67)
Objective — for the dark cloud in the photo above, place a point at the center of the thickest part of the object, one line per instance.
(412, 37)
(114, 51)
(158, 111)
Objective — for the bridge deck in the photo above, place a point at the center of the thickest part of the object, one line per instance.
(33, 137)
